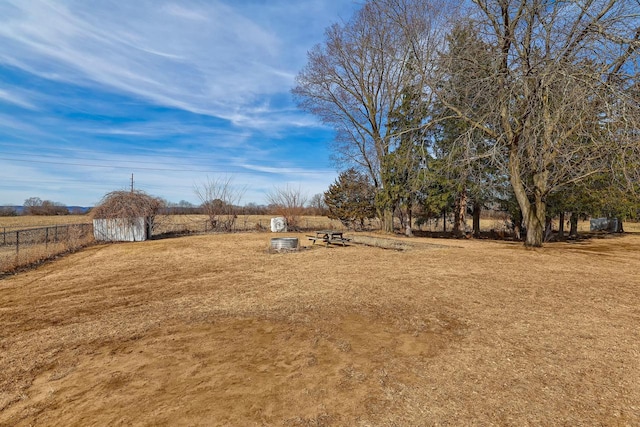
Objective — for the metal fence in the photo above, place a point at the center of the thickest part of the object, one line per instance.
(167, 225)
(23, 246)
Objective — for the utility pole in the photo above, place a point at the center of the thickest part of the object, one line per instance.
(132, 183)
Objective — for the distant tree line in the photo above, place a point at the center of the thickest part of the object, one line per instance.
(281, 199)
(8, 211)
(36, 206)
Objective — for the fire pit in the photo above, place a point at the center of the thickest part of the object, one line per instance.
(284, 243)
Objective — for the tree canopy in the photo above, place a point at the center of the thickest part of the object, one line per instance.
(541, 94)
(351, 199)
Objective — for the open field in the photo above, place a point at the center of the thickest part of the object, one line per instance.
(169, 222)
(29, 221)
(165, 223)
(215, 330)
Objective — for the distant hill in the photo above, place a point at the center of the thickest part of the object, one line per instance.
(78, 209)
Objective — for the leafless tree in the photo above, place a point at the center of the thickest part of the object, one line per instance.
(355, 80)
(129, 205)
(36, 206)
(556, 96)
(220, 200)
(317, 205)
(289, 202)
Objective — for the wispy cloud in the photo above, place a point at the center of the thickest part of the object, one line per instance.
(146, 79)
(212, 61)
(16, 99)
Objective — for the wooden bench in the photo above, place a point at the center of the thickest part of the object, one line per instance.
(329, 240)
(339, 240)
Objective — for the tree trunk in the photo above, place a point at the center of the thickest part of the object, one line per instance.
(387, 220)
(401, 217)
(561, 227)
(534, 213)
(444, 221)
(573, 220)
(517, 225)
(459, 214)
(477, 209)
(535, 226)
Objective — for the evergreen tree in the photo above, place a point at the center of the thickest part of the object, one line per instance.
(350, 199)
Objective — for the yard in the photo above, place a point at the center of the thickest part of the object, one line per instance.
(217, 330)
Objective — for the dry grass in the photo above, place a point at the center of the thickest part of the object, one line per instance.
(168, 223)
(247, 221)
(34, 245)
(214, 330)
(632, 227)
(29, 221)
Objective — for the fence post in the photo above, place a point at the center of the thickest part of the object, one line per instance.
(17, 242)
(55, 239)
(46, 238)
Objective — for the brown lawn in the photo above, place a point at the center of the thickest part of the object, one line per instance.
(31, 221)
(215, 330)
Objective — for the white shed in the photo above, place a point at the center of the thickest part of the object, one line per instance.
(121, 229)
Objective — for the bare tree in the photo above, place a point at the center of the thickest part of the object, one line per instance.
(220, 200)
(317, 205)
(289, 202)
(129, 205)
(8, 211)
(555, 99)
(31, 205)
(36, 206)
(355, 80)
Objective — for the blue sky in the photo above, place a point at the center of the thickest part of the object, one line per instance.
(175, 92)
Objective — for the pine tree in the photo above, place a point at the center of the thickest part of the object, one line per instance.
(350, 199)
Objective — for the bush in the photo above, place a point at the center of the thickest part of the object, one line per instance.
(8, 211)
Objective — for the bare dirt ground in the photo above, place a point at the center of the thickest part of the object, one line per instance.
(215, 330)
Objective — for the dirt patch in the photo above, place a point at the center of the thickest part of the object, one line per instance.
(253, 369)
(213, 330)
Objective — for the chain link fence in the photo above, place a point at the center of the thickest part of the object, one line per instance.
(187, 224)
(20, 247)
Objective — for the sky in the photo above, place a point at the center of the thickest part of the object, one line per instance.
(176, 93)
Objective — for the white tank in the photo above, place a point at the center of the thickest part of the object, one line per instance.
(278, 225)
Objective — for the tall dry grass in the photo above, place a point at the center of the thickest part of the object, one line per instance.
(15, 254)
(200, 223)
(33, 221)
(169, 223)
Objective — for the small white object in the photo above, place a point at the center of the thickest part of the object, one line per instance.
(278, 225)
